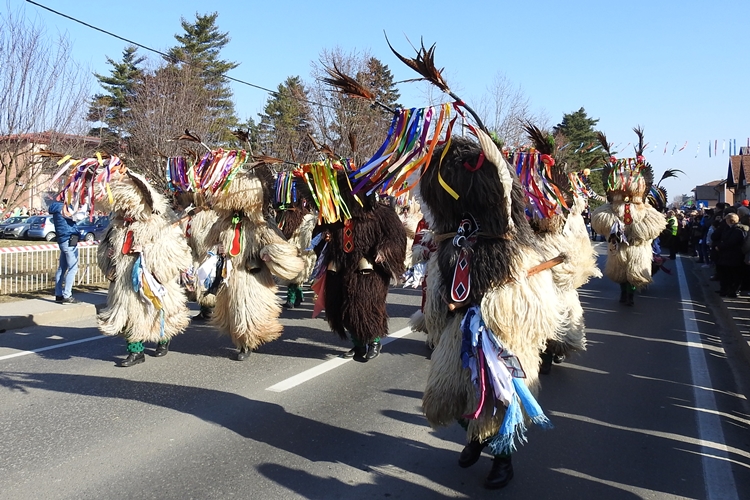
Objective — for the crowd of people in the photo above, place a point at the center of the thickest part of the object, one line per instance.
(22, 211)
(717, 238)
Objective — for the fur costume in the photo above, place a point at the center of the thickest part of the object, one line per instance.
(631, 223)
(142, 234)
(568, 236)
(560, 232)
(297, 223)
(196, 231)
(520, 306)
(411, 217)
(247, 308)
(357, 278)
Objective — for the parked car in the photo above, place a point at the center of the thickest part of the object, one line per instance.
(42, 228)
(19, 230)
(93, 230)
(11, 220)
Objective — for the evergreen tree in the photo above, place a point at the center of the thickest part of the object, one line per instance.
(286, 122)
(199, 48)
(577, 131)
(112, 109)
(351, 126)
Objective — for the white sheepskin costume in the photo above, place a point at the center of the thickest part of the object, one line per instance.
(567, 236)
(629, 252)
(247, 308)
(142, 234)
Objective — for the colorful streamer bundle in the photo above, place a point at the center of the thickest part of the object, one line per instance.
(180, 175)
(544, 198)
(285, 191)
(580, 185)
(410, 142)
(215, 171)
(626, 175)
(87, 182)
(322, 180)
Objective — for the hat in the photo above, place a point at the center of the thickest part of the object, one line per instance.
(745, 203)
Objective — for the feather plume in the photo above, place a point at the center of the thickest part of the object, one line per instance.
(539, 138)
(603, 141)
(242, 135)
(641, 146)
(669, 174)
(267, 160)
(345, 84)
(50, 154)
(424, 64)
(188, 136)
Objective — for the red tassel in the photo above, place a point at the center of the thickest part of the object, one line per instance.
(234, 249)
(128, 243)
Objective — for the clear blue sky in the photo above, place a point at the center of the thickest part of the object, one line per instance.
(676, 68)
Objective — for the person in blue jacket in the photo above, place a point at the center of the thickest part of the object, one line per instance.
(67, 239)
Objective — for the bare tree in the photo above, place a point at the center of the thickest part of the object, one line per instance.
(168, 101)
(506, 108)
(42, 97)
(352, 127)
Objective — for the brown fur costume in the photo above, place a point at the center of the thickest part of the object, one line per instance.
(355, 299)
(523, 311)
(247, 308)
(139, 209)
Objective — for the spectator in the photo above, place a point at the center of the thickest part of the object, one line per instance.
(730, 257)
(67, 240)
(671, 233)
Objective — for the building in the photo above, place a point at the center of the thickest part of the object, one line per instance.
(709, 194)
(739, 168)
(24, 174)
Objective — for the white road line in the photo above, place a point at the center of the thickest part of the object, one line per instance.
(327, 366)
(49, 348)
(716, 469)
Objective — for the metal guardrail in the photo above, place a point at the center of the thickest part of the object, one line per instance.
(31, 268)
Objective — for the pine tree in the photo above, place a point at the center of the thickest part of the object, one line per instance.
(577, 131)
(112, 109)
(286, 122)
(199, 48)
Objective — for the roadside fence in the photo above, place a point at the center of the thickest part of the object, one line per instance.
(31, 268)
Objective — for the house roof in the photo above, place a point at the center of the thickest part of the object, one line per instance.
(48, 137)
(736, 171)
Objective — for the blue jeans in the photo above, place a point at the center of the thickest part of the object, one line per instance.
(66, 271)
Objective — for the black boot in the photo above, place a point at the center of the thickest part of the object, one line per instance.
(288, 305)
(630, 301)
(558, 358)
(133, 358)
(243, 354)
(470, 454)
(546, 365)
(623, 293)
(355, 352)
(298, 296)
(373, 350)
(500, 474)
(161, 349)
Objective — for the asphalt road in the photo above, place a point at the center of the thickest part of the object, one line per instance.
(654, 409)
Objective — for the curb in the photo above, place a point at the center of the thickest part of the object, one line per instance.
(53, 317)
(727, 309)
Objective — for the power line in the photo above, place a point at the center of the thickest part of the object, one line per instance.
(167, 56)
